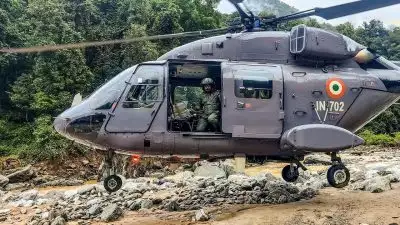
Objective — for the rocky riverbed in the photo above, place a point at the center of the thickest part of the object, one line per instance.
(194, 190)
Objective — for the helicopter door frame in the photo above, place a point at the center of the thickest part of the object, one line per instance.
(132, 114)
(252, 100)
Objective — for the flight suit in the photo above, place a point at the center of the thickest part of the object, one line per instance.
(211, 105)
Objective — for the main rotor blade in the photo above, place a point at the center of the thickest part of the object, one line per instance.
(340, 10)
(49, 48)
(242, 13)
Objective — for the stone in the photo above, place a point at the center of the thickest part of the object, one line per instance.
(180, 177)
(54, 195)
(62, 182)
(317, 159)
(132, 187)
(238, 179)
(70, 194)
(59, 221)
(94, 210)
(3, 181)
(146, 204)
(47, 216)
(22, 175)
(4, 212)
(93, 202)
(201, 215)
(136, 205)
(210, 171)
(157, 165)
(308, 193)
(15, 186)
(377, 184)
(85, 189)
(172, 206)
(42, 201)
(111, 213)
(29, 195)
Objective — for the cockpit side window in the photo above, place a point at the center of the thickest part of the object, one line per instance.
(108, 94)
(146, 88)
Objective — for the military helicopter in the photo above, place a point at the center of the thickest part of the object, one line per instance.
(283, 95)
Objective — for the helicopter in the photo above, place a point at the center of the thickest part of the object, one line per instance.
(283, 95)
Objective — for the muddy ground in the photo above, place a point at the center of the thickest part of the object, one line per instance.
(331, 207)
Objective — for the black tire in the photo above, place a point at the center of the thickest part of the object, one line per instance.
(338, 176)
(112, 183)
(289, 176)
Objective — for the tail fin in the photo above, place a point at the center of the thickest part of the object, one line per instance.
(77, 100)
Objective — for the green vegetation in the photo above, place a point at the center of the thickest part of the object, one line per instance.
(380, 139)
(36, 87)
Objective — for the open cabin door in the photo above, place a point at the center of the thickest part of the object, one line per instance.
(139, 103)
(252, 104)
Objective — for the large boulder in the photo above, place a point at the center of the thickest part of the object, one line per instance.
(228, 166)
(3, 181)
(22, 175)
(378, 184)
(180, 177)
(111, 213)
(210, 171)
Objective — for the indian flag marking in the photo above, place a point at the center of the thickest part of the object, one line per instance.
(335, 88)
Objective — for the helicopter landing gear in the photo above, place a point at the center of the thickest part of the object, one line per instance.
(338, 175)
(290, 173)
(112, 182)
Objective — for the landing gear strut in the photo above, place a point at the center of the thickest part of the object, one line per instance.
(338, 175)
(112, 182)
(290, 173)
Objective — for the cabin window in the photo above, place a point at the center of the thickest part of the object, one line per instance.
(253, 84)
(146, 88)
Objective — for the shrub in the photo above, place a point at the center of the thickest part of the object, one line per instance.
(380, 139)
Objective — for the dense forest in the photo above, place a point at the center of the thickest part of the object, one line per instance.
(34, 88)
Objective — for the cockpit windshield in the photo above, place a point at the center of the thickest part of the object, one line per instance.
(104, 97)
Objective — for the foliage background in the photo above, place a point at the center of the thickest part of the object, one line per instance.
(34, 88)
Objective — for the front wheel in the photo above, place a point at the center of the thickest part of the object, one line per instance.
(290, 175)
(112, 183)
(338, 176)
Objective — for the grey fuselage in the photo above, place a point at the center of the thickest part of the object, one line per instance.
(302, 101)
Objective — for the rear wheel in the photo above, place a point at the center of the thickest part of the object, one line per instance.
(290, 174)
(338, 176)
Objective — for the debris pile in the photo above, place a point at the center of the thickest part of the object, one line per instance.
(182, 191)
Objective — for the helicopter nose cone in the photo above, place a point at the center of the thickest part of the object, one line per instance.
(80, 124)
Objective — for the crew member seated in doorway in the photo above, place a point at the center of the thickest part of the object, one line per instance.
(210, 104)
